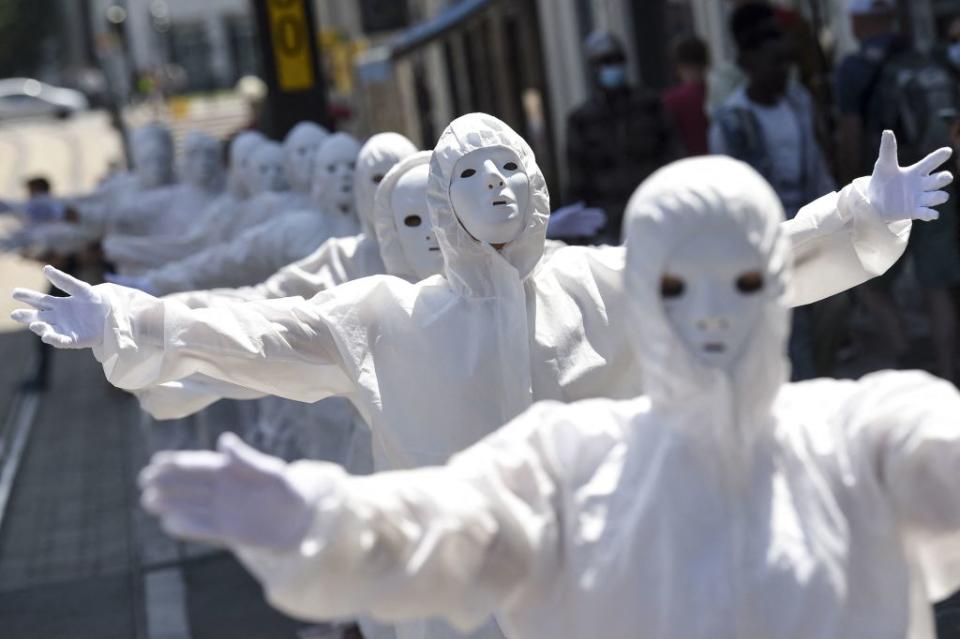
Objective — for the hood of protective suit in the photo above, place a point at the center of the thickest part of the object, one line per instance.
(333, 175)
(299, 148)
(470, 266)
(201, 165)
(391, 248)
(241, 148)
(696, 197)
(380, 153)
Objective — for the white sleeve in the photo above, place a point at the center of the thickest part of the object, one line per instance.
(251, 257)
(146, 252)
(182, 398)
(460, 542)
(282, 347)
(909, 425)
(325, 268)
(839, 243)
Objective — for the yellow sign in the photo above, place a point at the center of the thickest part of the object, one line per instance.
(291, 45)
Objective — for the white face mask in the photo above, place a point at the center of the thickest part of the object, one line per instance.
(299, 153)
(712, 291)
(373, 176)
(266, 170)
(409, 205)
(333, 182)
(201, 165)
(490, 194)
(154, 165)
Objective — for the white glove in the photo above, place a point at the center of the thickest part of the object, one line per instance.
(235, 497)
(131, 281)
(897, 193)
(65, 322)
(575, 221)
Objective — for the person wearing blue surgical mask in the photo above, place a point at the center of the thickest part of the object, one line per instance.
(618, 137)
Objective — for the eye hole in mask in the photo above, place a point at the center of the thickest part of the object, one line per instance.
(412, 220)
(671, 287)
(378, 178)
(510, 166)
(331, 168)
(468, 173)
(750, 283)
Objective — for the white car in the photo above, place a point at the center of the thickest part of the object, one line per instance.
(25, 97)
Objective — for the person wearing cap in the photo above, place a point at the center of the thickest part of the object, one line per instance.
(618, 137)
(870, 85)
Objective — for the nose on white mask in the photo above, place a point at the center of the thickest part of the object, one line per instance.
(490, 194)
(712, 291)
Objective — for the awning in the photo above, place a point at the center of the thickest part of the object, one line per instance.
(375, 63)
(444, 22)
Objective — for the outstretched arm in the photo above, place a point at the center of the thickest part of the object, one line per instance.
(906, 427)
(845, 239)
(337, 261)
(251, 257)
(460, 541)
(282, 347)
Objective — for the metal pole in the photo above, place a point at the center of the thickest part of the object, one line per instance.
(297, 90)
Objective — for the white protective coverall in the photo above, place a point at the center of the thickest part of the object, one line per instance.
(213, 225)
(263, 249)
(534, 333)
(723, 503)
(164, 213)
(106, 207)
(320, 430)
(339, 259)
(495, 333)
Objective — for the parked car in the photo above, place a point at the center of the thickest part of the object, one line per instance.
(26, 97)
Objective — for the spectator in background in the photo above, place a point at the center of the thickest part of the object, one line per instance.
(617, 138)
(812, 65)
(769, 123)
(889, 85)
(38, 188)
(685, 103)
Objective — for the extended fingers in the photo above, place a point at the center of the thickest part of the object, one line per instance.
(192, 523)
(932, 161)
(925, 214)
(934, 198)
(888, 151)
(25, 316)
(937, 181)
(35, 299)
(66, 283)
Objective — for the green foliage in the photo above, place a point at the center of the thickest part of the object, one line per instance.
(24, 27)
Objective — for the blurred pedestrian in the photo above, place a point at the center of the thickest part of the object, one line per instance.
(685, 103)
(769, 123)
(617, 138)
(39, 191)
(811, 64)
(887, 84)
